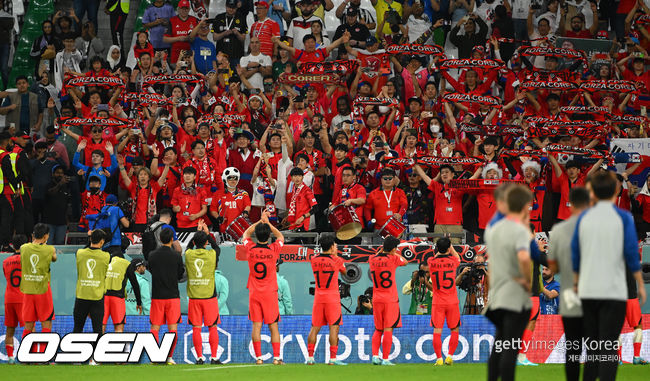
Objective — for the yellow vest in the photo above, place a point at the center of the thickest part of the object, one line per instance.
(123, 4)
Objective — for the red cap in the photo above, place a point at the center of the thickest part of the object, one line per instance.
(20, 135)
(184, 4)
(262, 4)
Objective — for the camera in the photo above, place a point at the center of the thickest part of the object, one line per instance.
(182, 64)
(344, 290)
(473, 276)
(364, 299)
(222, 71)
(536, 5)
(422, 273)
(446, 22)
(392, 17)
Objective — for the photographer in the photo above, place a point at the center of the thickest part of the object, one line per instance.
(419, 287)
(474, 279)
(384, 9)
(55, 209)
(364, 303)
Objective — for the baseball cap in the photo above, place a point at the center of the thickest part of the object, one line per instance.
(20, 135)
(183, 4)
(138, 262)
(231, 3)
(415, 99)
(634, 36)
(352, 11)
(371, 40)
(262, 4)
(111, 199)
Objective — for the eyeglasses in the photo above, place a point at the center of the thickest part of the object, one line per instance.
(96, 131)
(218, 132)
(387, 178)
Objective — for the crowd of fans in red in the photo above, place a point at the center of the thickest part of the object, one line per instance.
(219, 118)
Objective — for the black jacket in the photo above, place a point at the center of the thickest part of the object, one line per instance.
(166, 268)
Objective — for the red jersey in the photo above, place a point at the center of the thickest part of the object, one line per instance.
(442, 268)
(262, 260)
(447, 203)
(172, 181)
(91, 204)
(326, 268)
(356, 190)
(230, 206)
(318, 55)
(382, 205)
(564, 185)
(178, 27)
(191, 200)
(144, 200)
(206, 171)
(92, 146)
(382, 272)
(13, 275)
(644, 203)
(299, 202)
(486, 207)
(265, 29)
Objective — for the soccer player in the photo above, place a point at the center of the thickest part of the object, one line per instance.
(634, 320)
(327, 302)
(166, 268)
(35, 258)
(263, 284)
(13, 296)
(119, 270)
(445, 300)
(203, 307)
(508, 242)
(92, 265)
(385, 300)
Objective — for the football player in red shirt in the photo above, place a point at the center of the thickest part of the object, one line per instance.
(385, 301)
(189, 202)
(327, 301)
(263, 284)
(13, 297)
(231, 202)
(445, 299)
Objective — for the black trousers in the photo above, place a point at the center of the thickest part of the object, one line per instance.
(574, 333)
(509, 326)
(602, 328)
(83, 308)
(12, 218)
(118, 21)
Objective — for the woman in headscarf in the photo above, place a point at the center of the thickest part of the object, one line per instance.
(45, 47)
(114, 58)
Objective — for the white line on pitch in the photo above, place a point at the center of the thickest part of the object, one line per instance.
(225, 367)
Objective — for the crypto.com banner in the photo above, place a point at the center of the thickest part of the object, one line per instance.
(411, 344)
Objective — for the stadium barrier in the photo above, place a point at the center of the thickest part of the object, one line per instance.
(411, 344)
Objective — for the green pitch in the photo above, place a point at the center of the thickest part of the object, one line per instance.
(473, 372)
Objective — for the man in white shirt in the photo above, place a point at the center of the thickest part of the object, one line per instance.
(519, 15)
(256, 65)
(301, 25)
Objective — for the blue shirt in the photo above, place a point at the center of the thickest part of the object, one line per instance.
(92, 171)
(108, 218)
(204, 54)
(546, 305)
(156, 33)
(277, 15)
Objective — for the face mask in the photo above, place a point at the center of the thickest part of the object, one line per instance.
(435, 128)
(268, 87)
(94, 189)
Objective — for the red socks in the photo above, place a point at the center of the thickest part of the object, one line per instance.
(276, 350)
(637, 349)
(333, 350)
(171, 353)
(437, 344)
(386, 343)
(257, 348)
(10, 350)
(310, 349)
(214, 341)
(154, 332)
(525, 340)
(376, 342)
(198, 341)
(453, 343)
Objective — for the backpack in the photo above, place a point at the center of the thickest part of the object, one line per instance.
(150, 240)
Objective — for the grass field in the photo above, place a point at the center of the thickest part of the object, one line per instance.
(473, 372)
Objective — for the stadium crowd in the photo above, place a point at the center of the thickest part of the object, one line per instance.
(220, 118)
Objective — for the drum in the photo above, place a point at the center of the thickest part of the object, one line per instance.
(345, 222)
(392, 227)
(237, 228)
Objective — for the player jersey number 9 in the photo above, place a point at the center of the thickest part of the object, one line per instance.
(260, 270)
(384, 280)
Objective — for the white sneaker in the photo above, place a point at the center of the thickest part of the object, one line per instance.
(170, 361)
(92, 362)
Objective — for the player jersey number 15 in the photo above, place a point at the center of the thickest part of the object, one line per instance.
(447, 279)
